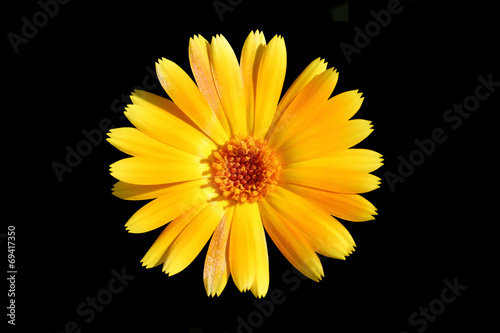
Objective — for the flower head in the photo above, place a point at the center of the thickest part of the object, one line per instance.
(226, 160)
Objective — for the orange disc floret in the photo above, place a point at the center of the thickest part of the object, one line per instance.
(245, 169)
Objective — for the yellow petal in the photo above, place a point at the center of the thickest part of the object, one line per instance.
(167, 128)
(300, 118)
(329, 178)
(193, 238)
(128, 191)
(325, 234)
(199, 58)
(325, 142)
(270, 80)
(291, 243)
(261, 282)
(189, 99)
(316, 67)
(175, 200)
(227, 77)
(242, 247)
(149, 100)
(216, 271)
(154, 170)
(363, 160)
(157, 254)
(133, 142)
(351, 207)
(251, 54)
(342, 107)
(300, 121)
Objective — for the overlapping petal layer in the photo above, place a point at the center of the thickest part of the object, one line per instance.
(325, 142)
(296, 249)
(164, 126)
(156, 170)
(189, 99)
(351, 207)
(324, 233)
(270, 80)
(300, 115)
(217, 271)
(316, 67)
(247, 248)
(157, 254)
(200, 60)
(193, 238)
(250, 59)
(174, 201)
(229, 84)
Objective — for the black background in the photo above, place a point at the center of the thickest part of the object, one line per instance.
(438, 224)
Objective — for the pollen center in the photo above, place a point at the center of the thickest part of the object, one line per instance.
(245, 169)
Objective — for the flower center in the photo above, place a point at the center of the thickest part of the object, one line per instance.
(245, 169)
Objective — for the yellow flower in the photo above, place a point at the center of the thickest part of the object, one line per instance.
(226, 159)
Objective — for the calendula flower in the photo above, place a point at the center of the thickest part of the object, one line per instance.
(226, 160)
